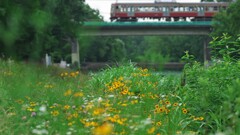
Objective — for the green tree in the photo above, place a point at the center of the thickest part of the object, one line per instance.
(227, 21)
(29, 29)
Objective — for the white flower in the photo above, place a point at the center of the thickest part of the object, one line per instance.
(43, 108)
(39, 131)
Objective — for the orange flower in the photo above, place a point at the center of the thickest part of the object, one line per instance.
(105, 129)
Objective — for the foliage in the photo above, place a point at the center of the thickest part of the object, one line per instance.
(212, 88)
(207, 88)
(61, 104)
(30, 29)
(227, 21)
(226, 47)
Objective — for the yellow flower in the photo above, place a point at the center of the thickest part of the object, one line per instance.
(184, 110)
(31, 109)
(66, 73)
(75, 115)
(33, 104)
(66, 107)
(55, 113)
(124, 92)
(78, 94)
(200, 118)
(68, 92)
(151, 130)
(167, 102)
(98, 111)
(161, 109)
(134, 101)
(175, 104)
(105, 129)
(159, 123)
(71, 123)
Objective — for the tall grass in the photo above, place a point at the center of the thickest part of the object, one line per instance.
(118, 100)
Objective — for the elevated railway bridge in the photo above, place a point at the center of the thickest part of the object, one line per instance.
(147, 29)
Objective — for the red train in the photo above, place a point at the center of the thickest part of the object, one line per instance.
(168, 11)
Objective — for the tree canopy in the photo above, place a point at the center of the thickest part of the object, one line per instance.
(31, 28)
(227, 21)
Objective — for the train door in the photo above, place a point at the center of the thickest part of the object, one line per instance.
(200, 11)
(165, 11)
(130, 11)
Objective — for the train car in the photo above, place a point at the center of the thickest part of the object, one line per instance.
(168, 11)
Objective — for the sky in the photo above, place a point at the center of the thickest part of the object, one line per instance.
(104, 5)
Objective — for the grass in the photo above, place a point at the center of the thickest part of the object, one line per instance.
(118, 100)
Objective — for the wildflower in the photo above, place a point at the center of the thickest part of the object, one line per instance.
(75, 115)
(68, 92)
(43, 108)
(62, 74)
(124, 104)
(33, 114)
(39, 131)
(98, 111)
(167, 102)
(55, 113)
(159, 123)
(30, 109)
(134, 101)
(72, 74)
(175, 104)
(66, 73)
(124, 92)
(66, 107)
(161, 109)
(151, 130)
(71, 123)
(78, 94)
(200, 118)
(105, 129)
(33, 104)
(184, 110)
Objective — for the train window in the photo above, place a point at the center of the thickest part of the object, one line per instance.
(200, 9)
(186, 9)
(181, 9)
(176, 8)
(123, 9)
(159, 8)
(190, 8)
(215, 8)
(164, 9)
(210, 8)
(129, 9)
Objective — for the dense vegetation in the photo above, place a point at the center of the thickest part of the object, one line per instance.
(122, 100)
(119, 100)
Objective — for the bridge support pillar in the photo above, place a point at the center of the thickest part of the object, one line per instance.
(206, 51)
(75, 53)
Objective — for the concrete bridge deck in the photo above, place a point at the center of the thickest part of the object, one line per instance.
(145, 28)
